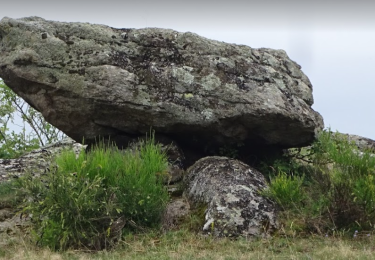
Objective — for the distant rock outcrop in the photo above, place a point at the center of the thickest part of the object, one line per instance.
(93, 80)
(363, 143)
(229, 191)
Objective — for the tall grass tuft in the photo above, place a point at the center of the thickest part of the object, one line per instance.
(337, 191)
(92, 197)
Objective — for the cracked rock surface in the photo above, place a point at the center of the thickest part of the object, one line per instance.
(229, 189)
(93, 80)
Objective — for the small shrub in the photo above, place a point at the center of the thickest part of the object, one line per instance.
(330, 185)
(91, 197)
(286, 190)
(70, 212)
(364, 194)
(285, 164)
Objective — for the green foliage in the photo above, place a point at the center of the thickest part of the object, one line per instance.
(337, 190)
(364, 194)
(285, 164)
(68, 212)
(286, 190)
(79, 204)
(10, 194)
(34, 131)
(334, 149)
(194, 221)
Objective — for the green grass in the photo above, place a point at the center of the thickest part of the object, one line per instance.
(10, 194)
(329, 185)
(91, 198)
(184, 245)
(325, 192)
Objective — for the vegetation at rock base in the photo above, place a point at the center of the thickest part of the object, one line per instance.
(184, 245)
(90, 199)
(326, 188)
(109, 197)
(325, 203)
(34, 130)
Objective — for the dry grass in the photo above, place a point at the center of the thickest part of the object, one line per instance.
(183, 245)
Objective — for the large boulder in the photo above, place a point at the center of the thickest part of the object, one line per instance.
(93, 80)
(228, 190)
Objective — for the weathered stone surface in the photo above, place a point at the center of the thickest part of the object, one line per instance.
(176, 209)
(229, 189)
(362, 143)
(37, 161)
(91, 80)
(6, 213)
(15, 222)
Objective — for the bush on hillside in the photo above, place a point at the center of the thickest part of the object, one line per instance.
(337, 191)
(90, 198)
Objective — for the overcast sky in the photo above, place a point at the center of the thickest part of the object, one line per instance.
(333, 40)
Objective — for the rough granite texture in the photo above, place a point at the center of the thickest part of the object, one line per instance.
(37, 161)
(229, 189)
(363, 143)
(91, 80)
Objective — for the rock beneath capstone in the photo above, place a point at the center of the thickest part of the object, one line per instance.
(175, 211)
(229, 189)
(93, 80)
(37, 161)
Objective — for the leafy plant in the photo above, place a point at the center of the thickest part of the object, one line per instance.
(364, 194)
(91, 197)
(330, 185)
(286, 190)
(34, 131)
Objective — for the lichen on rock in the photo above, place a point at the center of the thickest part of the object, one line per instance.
(93, 80)
(230, 189)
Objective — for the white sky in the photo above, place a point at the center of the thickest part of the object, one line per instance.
(333, 40)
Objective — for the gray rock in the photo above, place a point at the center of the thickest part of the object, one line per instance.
(6, 213)
(361, 142)
(175, 211)
(14, 223)
(37, 161)
(90, 80)
(229, 189)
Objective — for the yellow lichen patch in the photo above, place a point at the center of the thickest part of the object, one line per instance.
(188, 95)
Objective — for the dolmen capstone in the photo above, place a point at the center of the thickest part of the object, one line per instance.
(93, 80)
